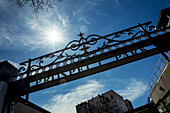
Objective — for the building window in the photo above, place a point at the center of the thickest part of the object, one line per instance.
(107, 98)
(102, 108)
(85, 108)
(114, 104)
(98, 104)
(105, 107)
(109, 106)
(111, 96)
(101, 101)
(116, 111)
(162, 108)
(80, 110)
(93, 105)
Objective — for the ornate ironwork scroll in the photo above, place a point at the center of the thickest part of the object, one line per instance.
(84, 48)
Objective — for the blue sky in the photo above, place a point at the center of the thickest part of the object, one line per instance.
(23, 36)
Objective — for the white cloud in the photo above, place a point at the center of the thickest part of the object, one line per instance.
(27, 29)
(4, 5)
(83, 29)
(14, 64)
(86, 6)
(42, 26)
(5, 39)
(101, 14)
(49, 92)
(116, 3)
(134, 90)
(65, 103)
(65, 20)
(130, 88)
(84, 20)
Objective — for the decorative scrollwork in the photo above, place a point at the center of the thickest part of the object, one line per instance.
(151, 28)
(74, 46)
(147, 24)
(134, 35)
(22, 69)
(93, 40)
(78, 50)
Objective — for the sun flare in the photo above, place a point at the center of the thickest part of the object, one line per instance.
(54, 36)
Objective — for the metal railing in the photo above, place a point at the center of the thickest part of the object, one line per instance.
(160, 67)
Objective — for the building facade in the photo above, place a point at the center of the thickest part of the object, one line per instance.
(160, 81)
(147, 108)
(109, 102)
(160, 92)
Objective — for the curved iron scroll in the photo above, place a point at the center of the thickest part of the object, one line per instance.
(83, 48)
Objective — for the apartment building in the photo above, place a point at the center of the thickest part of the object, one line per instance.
(108, 102)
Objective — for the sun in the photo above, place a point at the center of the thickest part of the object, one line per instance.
(54, 36)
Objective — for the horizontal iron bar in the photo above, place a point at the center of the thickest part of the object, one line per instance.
(92, 71)
(128, 40)
(82, 43)
(162, 41)
(91, 60)
(88, 61)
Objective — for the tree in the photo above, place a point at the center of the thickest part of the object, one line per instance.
(37, 5)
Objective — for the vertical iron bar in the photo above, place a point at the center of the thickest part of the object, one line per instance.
(27, 79)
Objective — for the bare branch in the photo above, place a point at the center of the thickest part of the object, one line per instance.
(37, 5)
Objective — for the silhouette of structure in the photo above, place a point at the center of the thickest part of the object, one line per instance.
(109, 102)
(160, 81)
(84, 57)
(147, 108)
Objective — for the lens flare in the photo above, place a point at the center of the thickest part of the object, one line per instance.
(55, 36)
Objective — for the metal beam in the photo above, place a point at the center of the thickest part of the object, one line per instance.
(93, 71)
(140, 49)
